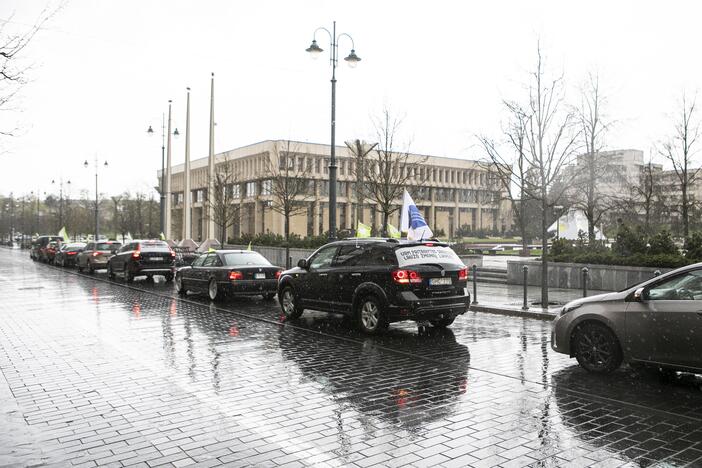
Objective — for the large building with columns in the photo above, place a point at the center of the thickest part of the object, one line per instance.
(451, 193)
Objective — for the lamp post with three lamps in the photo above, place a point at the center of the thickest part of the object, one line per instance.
(162, 187)
(97, 196)
(53, 182)
(352, 60)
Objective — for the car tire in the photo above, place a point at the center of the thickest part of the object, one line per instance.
(370, 316)
(180, 289)
(597, 348)
(442, 323)
(269, 296)
(91, 270)
(169, 277)
(288, 303)
(213, 290)
(110, 273)
(80, 268)
(128, 275)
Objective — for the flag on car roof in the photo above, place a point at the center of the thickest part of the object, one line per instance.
(393, 233)
(63, 234)
(363, 230)
(249, 247)
(162, 236)
(412, 221)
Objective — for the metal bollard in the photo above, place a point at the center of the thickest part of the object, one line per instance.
(585, 275)
(657, 273)
(525, 269)
(474, 268)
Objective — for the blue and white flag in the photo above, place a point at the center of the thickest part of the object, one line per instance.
(412, 221)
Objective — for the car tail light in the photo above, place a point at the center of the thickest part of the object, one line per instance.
(173, 255)
(429, 244)
(463, 274)
(235, 275)
(71, 253)
(406, 277)
(95, 254)
(137, 253)
(277, 274)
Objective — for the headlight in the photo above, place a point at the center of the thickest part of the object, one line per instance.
(569, 308)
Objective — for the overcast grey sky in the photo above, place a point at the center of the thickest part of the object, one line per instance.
(103, 71)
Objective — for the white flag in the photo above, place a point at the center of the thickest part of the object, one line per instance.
(412, 221)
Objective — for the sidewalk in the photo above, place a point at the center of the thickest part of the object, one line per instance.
(508, 299)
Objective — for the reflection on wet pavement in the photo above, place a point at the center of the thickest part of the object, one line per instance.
(104, 373)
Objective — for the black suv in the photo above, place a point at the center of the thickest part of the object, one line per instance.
(142, 258)
(377, 281)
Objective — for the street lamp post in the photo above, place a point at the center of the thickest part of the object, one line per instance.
(352, 59)
(162, 187)
(53, 181)
(97, 195)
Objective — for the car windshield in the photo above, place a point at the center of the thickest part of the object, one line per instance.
(245, 258)
(108, 246)
(421, 254)
(153, 245)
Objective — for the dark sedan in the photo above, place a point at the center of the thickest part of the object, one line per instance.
(68, 254)
(229, 272)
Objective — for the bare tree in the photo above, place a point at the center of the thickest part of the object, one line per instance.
(223, 198)
(13, 72)
(509, 166)
(551, 143)
(593, 168)
(360, 150)
(289, 187)
(388, 172)
(680, 151)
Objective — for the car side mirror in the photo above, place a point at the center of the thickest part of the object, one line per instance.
(639, 295)
(302, 263)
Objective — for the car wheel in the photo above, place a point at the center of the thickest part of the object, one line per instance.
(442, 323)
(213, 290)
(169, 277)
(80, 268)
(91, 270)
(597, 348)
(128, 275)
(370, 316)
(289, 305)
(179, 286)
(110, 273)
(269, 296)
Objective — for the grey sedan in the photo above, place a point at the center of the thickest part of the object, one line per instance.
(657, 323)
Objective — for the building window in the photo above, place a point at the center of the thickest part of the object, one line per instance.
(300, 164)
(326, 166)
(342, 166)
(235, 190)
(281, 162)
(250, 189)
(266, 187)
(318, 165)
(309, 165)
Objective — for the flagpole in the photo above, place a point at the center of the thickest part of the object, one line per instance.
(211, 170)
(187, 234)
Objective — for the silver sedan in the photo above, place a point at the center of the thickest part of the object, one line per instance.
(657, 323)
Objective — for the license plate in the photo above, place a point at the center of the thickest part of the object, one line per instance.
(439, 281)
(260, 276)
(155, 259)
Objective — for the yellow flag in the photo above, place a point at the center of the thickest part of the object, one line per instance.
(163, 236)
(211, 250)
(363, 230)
(249, 247)
(393, 233)
(63, 234)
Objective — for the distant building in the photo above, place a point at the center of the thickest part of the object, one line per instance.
(452, 193)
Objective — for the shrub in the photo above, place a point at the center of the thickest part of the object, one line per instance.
(693, 247)
(629, 242)
(662, 244)
(643, 260)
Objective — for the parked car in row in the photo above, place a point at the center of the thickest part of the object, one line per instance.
(48, 253)
(39, 246)
(68, 254)
(225, 273)
(142, 258)
(95, 255)
(656, 323)
(377, 281)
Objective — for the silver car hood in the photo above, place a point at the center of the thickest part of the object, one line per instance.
(613, 296)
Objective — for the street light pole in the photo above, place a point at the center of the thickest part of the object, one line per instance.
(162, 188)
(97, 195)
(352, 59)
(53, 181)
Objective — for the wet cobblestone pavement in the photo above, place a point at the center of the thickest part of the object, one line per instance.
(95, 373)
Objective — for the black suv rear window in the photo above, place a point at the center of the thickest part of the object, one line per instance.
(418, 254)
(108, 246)
(154, 245)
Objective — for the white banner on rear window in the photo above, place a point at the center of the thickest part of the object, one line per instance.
(423, 254)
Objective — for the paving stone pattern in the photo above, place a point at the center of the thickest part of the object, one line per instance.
(95, 373)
